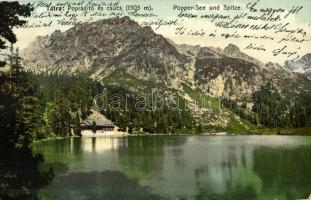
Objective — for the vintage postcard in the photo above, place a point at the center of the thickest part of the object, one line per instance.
(155, 99)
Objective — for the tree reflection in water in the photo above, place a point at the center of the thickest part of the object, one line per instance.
(20, 177)
(219, 168)
(110, 185)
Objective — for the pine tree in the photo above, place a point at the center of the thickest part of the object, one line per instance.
(94, 128)
(76, 125)
(25, 106)
(20, 116)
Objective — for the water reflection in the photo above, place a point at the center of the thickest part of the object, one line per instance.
(246, 167)
(19, 174)
(289, 170)
(97, 185)
(102, 144)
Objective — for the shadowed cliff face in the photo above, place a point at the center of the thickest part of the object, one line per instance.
(99, 48)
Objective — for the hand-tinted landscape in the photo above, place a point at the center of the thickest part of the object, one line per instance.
(168, 98)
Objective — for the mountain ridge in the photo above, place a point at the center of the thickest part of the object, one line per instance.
(99, 48)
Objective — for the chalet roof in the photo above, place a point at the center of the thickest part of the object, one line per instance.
(98, 122)
(99, 119)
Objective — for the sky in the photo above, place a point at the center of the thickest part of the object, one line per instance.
(164, 10)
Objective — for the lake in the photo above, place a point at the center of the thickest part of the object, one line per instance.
(181, 168)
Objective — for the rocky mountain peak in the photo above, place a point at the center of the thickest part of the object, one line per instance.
(232, 49)
(306, 60)
(101, 47)
(303, 65)
(56, 34)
